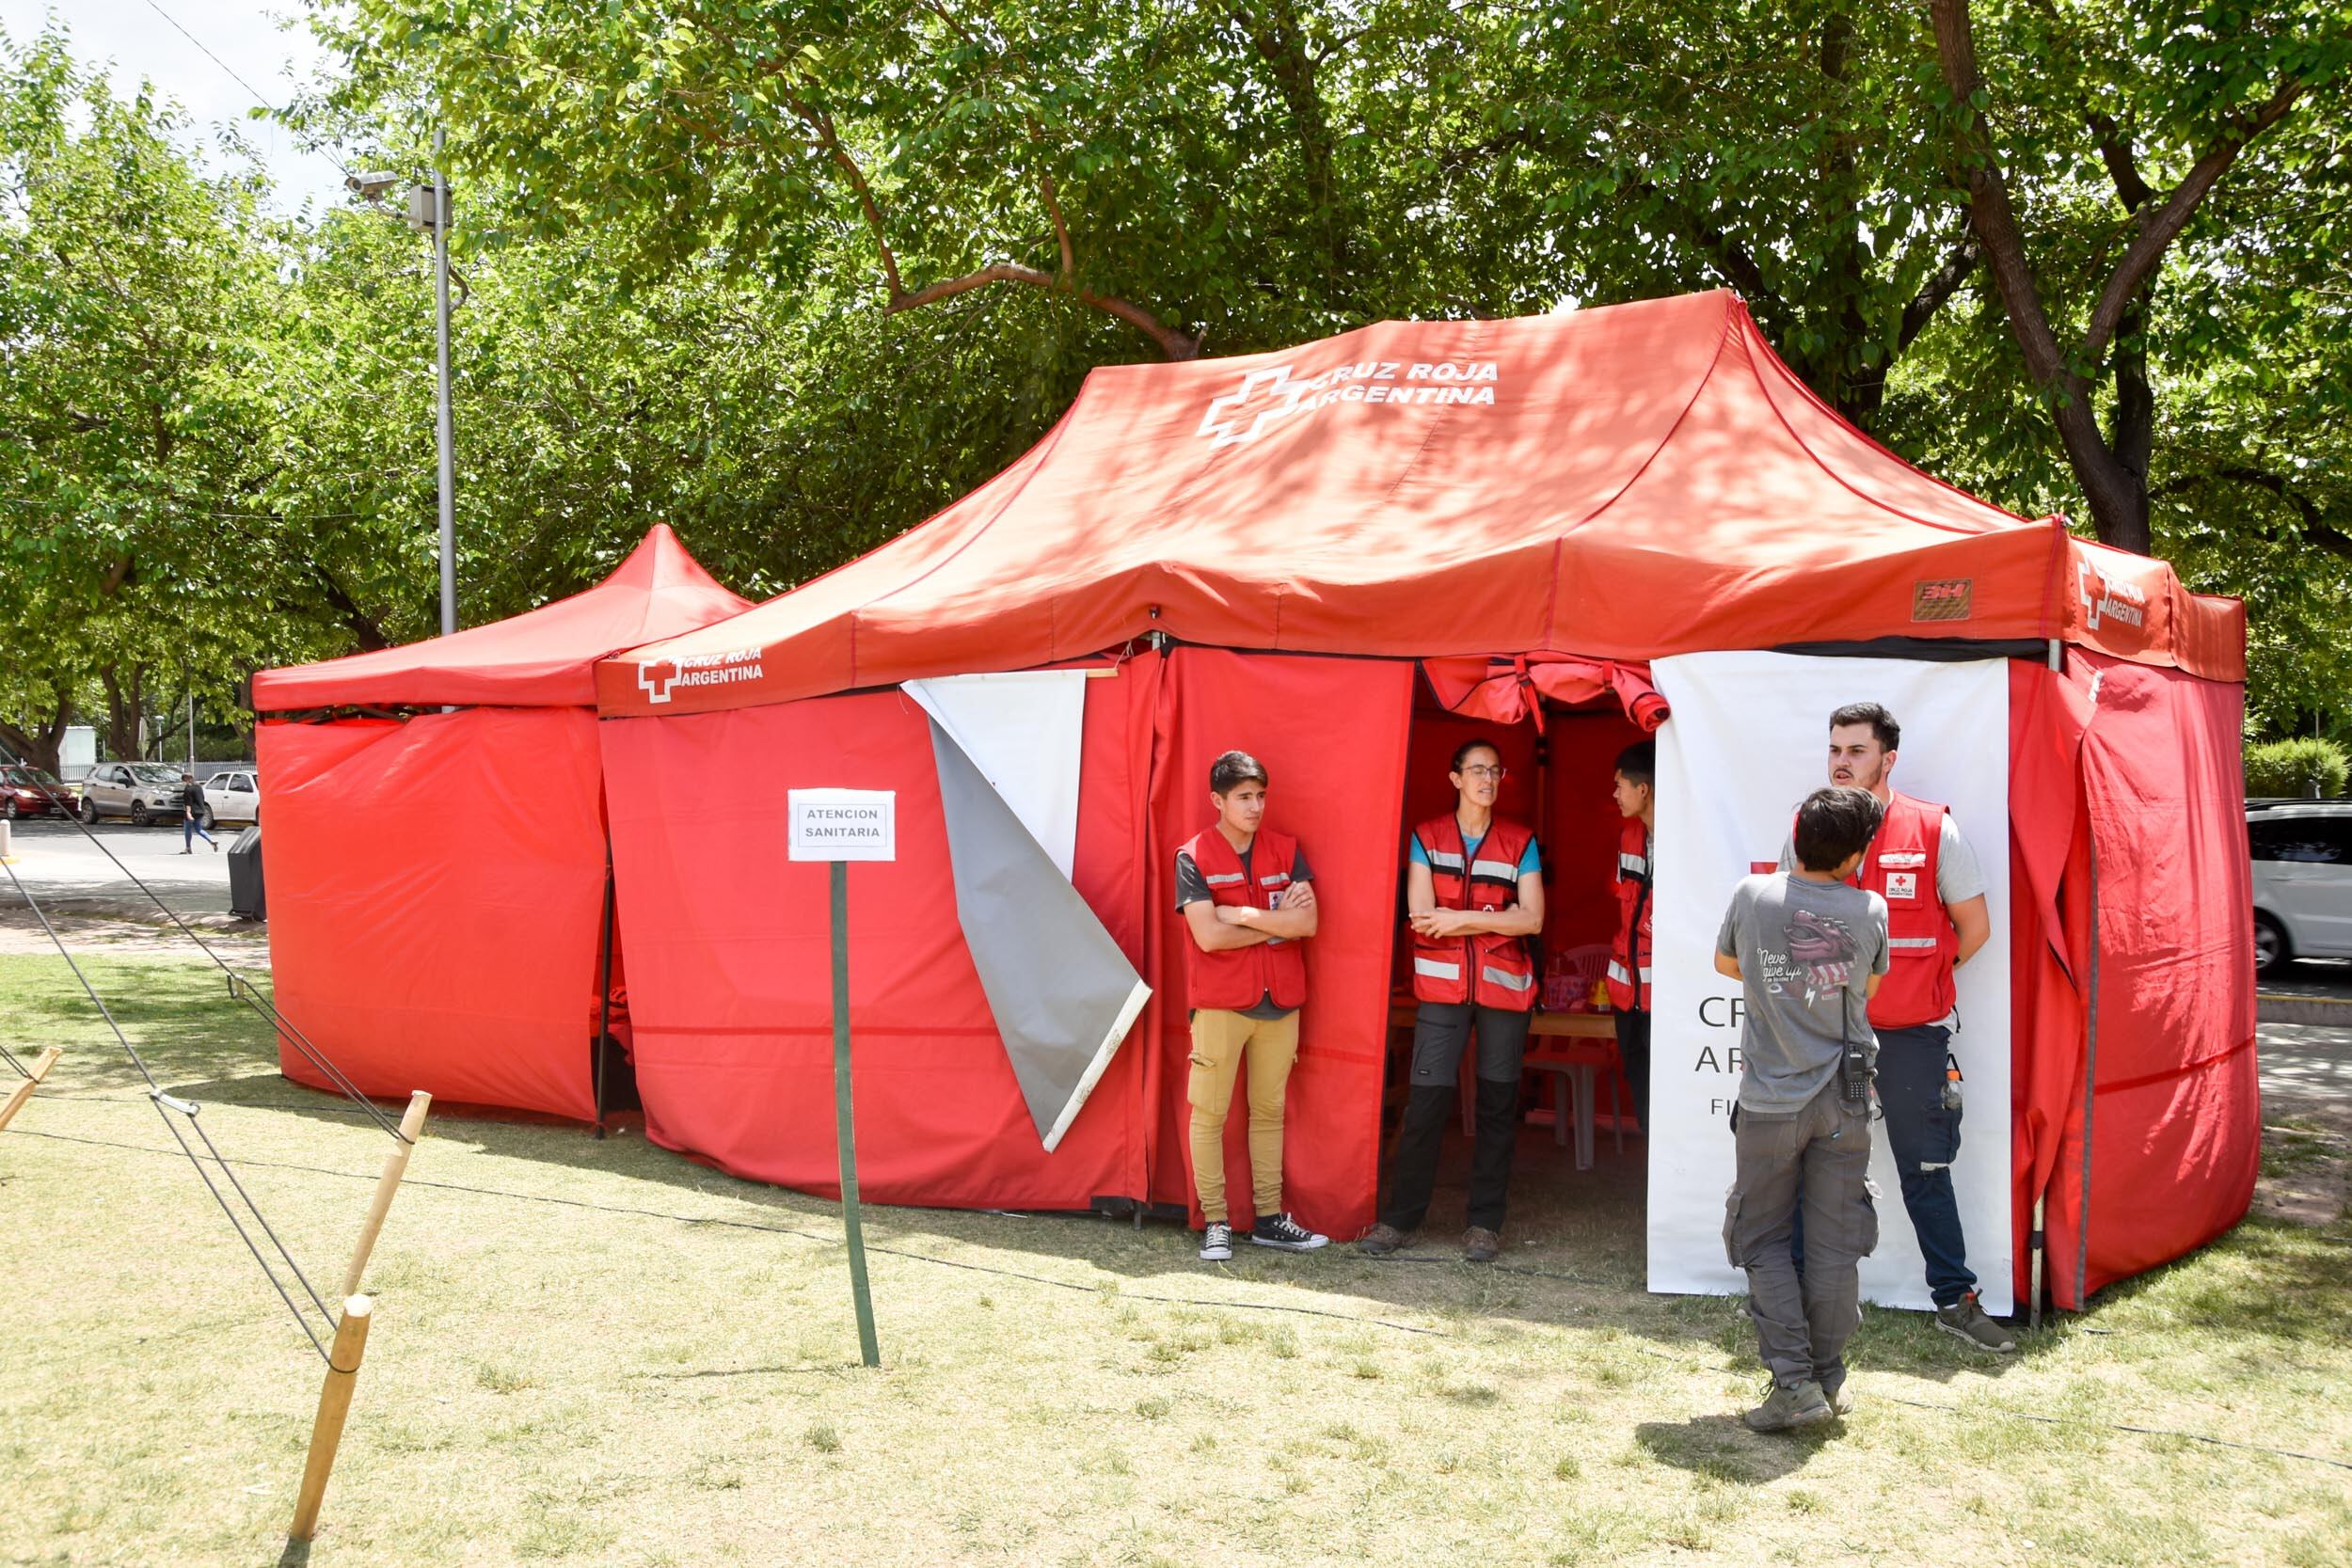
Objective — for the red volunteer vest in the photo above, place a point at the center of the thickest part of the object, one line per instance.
(1238, 977)
(1490, 970)
(1629, 951)
(1900, 867)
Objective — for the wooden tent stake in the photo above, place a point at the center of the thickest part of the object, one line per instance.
(395, 1166)
(326, 1432)
(42, 1065)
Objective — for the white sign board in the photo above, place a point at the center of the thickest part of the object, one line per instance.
(1748, 741)
(845, 824)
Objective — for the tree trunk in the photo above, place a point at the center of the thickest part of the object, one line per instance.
(125, 700)
(41, 746)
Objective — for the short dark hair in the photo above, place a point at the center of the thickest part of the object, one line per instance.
(1639, 762)
(1834, 825)
(1890, 734)
(1476, 743)
(1234, 768)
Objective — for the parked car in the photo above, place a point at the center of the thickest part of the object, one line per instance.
(232, 797)
(143, 791)
(31, 792)
(2302, 853)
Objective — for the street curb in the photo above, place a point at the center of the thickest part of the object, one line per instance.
(2328, 1011)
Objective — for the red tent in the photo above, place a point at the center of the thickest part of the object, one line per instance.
(1264, 550)
(437, 878)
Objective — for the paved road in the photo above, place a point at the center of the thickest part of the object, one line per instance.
(67, 872)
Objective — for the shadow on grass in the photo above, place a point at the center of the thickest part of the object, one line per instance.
(1722, 1447)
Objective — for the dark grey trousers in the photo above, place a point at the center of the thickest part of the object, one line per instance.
(1803, 1321)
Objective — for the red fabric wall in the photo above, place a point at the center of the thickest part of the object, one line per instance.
(2140, 763)
(730, 984)
(1331, 733)
(435, 887)
(2176, 1118)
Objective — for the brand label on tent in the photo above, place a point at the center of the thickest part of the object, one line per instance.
(845, 824)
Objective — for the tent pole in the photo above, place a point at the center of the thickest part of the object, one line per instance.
(604, 984)
(2034, 1244)
(2090, 1086)
(2037, 1241)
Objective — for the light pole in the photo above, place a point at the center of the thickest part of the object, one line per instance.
(428, 210)
(428, 213)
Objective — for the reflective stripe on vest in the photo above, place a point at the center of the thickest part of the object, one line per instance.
(1237, 978)
(1486, 969)
(1909, 846)
(1628, 974)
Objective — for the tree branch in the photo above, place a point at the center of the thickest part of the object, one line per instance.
(2115, 150)
(2163, 226)
(1173, 343)
(2318, 530)
(1061, 229)
(1941, 285)
(362, 625)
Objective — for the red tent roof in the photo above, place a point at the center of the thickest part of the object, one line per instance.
(1629, 482)
(542, 659)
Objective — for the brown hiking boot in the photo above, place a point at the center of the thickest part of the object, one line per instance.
(1381, 1240)
(1480, 1245)
(1966, 1321)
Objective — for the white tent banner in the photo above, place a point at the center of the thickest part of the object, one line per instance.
(1024, 731)
(1748, 741)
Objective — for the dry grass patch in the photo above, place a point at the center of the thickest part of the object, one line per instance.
(598, 1354)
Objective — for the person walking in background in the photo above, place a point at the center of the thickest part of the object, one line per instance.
(1809, 951)
(1937, 921)
(1247, 897)
(1474, 895)
(1629, 949)
(191, 814)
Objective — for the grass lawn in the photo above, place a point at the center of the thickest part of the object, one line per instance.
(600, 1352)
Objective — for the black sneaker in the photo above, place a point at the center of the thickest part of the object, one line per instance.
(1216, 1243)
(1281, 1231)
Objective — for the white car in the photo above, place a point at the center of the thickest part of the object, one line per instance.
(234, 797)
(2302, 853)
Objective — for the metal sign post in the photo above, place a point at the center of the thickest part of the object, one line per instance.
(842, 826)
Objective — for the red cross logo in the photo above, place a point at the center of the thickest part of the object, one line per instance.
(657, 687)
(1244, 414)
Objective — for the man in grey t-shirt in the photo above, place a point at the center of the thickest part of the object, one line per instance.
(1808, 951)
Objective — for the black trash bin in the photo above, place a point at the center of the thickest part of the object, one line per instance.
(247, 899)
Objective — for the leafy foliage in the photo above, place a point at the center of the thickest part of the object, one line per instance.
(2288, 768)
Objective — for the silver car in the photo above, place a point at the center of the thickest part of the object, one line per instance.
(2302, 853)
(143, 791)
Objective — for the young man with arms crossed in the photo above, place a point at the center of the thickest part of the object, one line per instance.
(1473, 894)
(1247, 897)
(1936, 918)
(1809, 951)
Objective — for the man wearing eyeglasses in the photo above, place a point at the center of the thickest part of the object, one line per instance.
(1474, 894)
